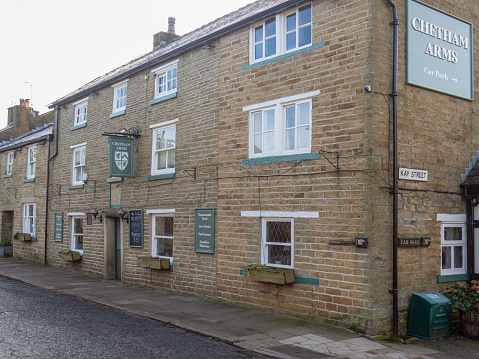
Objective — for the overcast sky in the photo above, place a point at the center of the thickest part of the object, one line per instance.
(52, 47)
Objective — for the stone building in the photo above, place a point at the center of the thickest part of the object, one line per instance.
(24, 176)
(299, 135)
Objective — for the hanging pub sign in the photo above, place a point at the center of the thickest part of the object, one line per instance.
(439, 51)
(120, 155)
(205, 230)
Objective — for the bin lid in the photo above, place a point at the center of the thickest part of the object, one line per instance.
(433, 297)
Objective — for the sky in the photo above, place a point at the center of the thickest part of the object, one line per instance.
(52, 47)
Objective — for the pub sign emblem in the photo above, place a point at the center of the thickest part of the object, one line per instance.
(121, 160)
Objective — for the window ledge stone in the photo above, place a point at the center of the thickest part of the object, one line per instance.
(26, 180)
(119, 113)
(77, 186)
(452, 278)
(277, 159)
(163, 98)
(160, 177)
(7, 176)
(78, 126)
(283, 56)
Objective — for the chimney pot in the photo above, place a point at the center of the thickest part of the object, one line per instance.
(171, 25)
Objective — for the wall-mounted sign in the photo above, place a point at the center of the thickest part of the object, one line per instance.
(439, 51)
(411, 174)
(361, 242)
(414, 242)
(58, 232)
(120, 155)
(205, 230)
(135, 222)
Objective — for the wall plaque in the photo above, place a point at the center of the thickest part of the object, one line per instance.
(58, 232)
(205, 230)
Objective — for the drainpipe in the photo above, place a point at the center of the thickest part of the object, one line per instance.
(50, 139)
(395, 190)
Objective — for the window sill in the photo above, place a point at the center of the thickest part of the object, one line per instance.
(299, 279)
(160, 177)
(452, 277)
(277, 159)
(77, 186)
(119, 113)
(78, 126)
(163, 98)
(283, 56)
(25, 180)
(7, 176)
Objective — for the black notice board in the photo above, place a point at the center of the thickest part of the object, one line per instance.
(135, 220)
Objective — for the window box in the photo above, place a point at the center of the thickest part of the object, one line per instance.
(153, 263)
(70, 256)
(27, 237)
(262, 273)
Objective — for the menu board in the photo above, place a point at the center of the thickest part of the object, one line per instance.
(58, 233)
(135, 220)
(205, 230)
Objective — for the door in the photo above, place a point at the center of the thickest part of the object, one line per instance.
(113, 248)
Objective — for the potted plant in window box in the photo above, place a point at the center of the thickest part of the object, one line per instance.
(153, 262)
(6, 248)
(465, 299)
(69, 255)
(264, 273)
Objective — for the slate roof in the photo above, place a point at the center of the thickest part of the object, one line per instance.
(199, 37)
(36, 135)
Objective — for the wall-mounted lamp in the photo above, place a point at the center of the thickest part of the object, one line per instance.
(95, 213)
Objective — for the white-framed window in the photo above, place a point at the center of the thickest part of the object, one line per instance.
(281, 34)
(163, 148)
(31, 161)
(162, 236)
(453, 244)
(77, 234)
(166, 79)
(29, 218)
(81, 108)
(277, 242)
(78, 165)
(280, 127)
(119, 96)
(9, 163)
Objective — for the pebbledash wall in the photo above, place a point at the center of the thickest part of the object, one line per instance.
(292, 148)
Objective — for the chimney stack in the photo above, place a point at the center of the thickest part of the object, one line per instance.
(162, 38)
(20, 115)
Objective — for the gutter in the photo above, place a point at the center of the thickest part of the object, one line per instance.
(182, 50)
(394, 190)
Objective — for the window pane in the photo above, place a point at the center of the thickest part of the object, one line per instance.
(78, 241)
(269, 141)
(290, 139)
(160, 140)
(291, 22)
(458, 257)
(304, 15)
(303, 114)
(270, 28)
(165, 247)
(453, 233)
(78, 226)
(258, 143)
(304, 35)
(303, 137)
(258, 122)
(446, 257)
(258, 51)
(269, 120)
(270, 47)
(279, 255)
(79, 174)
(258, 34)
(291, 40)
(161, 161)
(77, 158)
(290, 117)
(171, 159)
(30, 210)
(170, 137)
(164, 226)
(278, 232)
(82, 156)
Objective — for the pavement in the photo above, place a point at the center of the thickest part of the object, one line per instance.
(273, 335)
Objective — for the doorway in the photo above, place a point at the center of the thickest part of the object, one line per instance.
(7, 226)
(113, 248)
